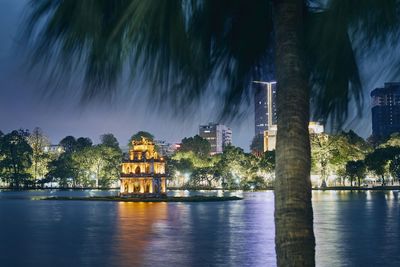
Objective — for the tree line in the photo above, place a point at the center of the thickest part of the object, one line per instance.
(337, 160)
(193, 167)
(29, 160)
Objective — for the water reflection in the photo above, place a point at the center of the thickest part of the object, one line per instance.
(135, 231)
(359, 228)
(195, 234)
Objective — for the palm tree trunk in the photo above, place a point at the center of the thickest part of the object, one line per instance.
(294, 236)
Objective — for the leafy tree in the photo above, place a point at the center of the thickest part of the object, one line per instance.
(233, 167)
(356, 169)
(109, 140)
(330, 153)
(394, 167)
(1, 156)
(179, 169)
(62, 169)
(257, 144)
(197, 145)
(323, 147)
(108, 164)
(86, 162)
(181, 46)
(392, 141)
(68, 143)
(378, 161)
(82, 143)
(184, 165)
(268, 161)
(203, 175)
(16, 157)
(97, 165)
(195, 159)
(38, 142)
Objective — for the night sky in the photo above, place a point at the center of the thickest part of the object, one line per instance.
(22, 104)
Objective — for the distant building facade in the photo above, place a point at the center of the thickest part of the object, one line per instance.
(270, 135)
(54, 149)
(166, 149)
(386, 110)
(218, 135)
(264, 106)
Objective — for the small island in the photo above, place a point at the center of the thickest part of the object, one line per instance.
(143, 179)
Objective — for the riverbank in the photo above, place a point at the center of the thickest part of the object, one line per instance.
(337, 188)
(391, 187)
(153, 199)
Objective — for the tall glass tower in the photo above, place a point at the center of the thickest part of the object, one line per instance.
(386, 110)
(264, 106)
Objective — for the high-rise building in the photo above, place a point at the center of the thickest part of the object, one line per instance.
(217, 135)
(264, 106)
(386, 110)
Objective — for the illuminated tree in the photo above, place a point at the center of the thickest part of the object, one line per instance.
(257, 144)
(330, 153)
(197, 145)
(392, 141)
(394, 167)
(356, 169)
(63, 170)
(16, 157)
(109, 140)
(40, 158)
(379, 160)
(68, 143)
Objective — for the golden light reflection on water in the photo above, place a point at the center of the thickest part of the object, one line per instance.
(135, 230)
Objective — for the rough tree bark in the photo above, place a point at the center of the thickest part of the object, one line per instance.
(294, 236)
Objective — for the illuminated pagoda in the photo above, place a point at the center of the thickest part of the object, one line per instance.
(143, 174)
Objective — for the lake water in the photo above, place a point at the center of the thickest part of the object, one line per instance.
(351, 228)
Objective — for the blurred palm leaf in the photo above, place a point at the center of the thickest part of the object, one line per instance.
(180, 47)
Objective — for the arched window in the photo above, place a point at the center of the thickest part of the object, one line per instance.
(137, 170)
(136, 187)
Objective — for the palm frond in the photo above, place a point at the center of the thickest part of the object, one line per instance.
(179, 48)
(176, 46)
(338, 34)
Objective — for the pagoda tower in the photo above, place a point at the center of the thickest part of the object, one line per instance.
(143, 174)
